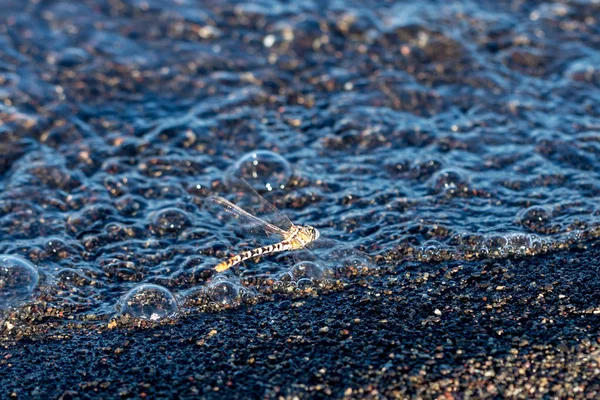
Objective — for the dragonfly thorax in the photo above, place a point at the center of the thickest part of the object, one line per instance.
(303, 235)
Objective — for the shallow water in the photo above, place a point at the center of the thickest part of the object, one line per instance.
(407, 132)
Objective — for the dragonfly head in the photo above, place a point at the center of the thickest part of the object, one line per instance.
(305, 235)
(316, 233)
(308, 234)
(312, 233)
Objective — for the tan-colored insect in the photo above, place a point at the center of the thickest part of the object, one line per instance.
(293, 237)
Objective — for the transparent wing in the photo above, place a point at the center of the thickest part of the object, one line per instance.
(247, 222)
(248, 199)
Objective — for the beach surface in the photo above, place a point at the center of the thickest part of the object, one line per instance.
(524, 328)
(447, 152)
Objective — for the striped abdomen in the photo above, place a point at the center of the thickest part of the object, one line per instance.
(272, 248)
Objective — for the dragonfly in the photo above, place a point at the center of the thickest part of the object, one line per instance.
(290, 236)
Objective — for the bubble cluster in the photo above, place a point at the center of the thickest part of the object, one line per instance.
(18, 279)
(349, 261)
(263, 170)
(391, 162)
(149, 302)
(481, 246)
(432, 250)
(494, 245)
(524, 244)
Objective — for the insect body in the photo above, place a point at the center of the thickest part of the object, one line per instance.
(293, 237)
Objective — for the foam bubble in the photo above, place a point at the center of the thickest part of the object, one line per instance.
(150, 302)
(349, 261)
(496, 245)
(263, 170)
(304, 283)
(535, 217)
(171, 221)
(429, 251)
(224, 292)
(482, 246)
(308, 270)
(449, 181)
(18, 279)
(519, 243)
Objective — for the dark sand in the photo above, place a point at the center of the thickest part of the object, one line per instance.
(525, 328)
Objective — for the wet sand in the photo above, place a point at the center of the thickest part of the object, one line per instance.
(520, 328)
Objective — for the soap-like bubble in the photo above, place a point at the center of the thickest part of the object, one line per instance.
(449, 181)
(304, 284)
(307, 269)
(150, 302)
(263, 170)
(58, 249)
(18, 279)
(535, 217)
(223, 292)
(355, 259)
(171, 221)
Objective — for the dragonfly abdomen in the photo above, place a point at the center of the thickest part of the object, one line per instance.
(272, 248)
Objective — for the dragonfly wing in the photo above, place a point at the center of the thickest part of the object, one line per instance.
(254, 203)
(255, 226)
